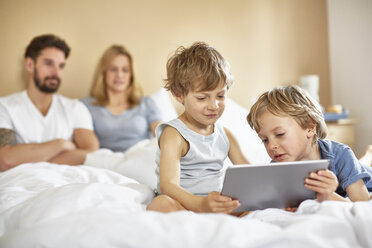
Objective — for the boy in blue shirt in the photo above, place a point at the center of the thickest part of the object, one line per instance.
(292, 128)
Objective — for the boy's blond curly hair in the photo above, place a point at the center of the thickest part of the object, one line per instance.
(289, 101)
(199, 67)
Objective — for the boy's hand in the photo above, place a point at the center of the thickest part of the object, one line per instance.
(217, 203)
(323, 182)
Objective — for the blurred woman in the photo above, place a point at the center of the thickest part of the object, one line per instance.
(121, 115)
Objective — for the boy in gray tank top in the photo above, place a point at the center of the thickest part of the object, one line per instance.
(192, 148)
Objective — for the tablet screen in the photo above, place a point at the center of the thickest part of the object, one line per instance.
(271, 185)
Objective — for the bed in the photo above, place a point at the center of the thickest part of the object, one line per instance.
(103, 204)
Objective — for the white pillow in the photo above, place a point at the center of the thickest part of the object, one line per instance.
(138, 162)
(164, 103)
(234, 119)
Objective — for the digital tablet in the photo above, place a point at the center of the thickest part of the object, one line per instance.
(270, 185)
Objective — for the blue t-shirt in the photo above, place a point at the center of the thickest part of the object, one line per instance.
(344, 165)
(120, 132)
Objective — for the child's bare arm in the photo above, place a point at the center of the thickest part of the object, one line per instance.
(324, 181)
(235, 153)
(173, 147)
(358, 191)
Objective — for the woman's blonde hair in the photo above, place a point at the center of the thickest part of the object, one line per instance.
(99, 87)
(199, 67)
(289, 101)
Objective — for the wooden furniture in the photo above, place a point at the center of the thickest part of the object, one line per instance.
(342, 131)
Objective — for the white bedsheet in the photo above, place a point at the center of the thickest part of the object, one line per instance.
(48, 205)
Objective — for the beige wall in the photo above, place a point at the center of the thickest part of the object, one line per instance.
(350, 39)
(267, 42)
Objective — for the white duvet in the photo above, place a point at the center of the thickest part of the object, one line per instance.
(95, 205)
(48, 205)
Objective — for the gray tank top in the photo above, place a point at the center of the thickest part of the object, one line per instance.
(202, 168)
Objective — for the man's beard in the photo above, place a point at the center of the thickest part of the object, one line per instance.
(44, 87)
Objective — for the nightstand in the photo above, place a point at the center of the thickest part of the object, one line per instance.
(342, 131)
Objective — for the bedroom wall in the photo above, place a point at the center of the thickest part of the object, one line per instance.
(267, 42)
(350, 39)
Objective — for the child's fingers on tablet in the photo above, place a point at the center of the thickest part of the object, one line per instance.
(315, 182)
(229, 204)
(321, 188)
(314, 188)
(311, 181)
(328, 179)
(319, 183)
(329, 182)
(226, 207)
(218, 197)
(327, 173)
(222, 198)
(323, 174)
(230, 209)
(319, 180)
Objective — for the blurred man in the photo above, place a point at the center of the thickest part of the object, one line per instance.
(38, 124)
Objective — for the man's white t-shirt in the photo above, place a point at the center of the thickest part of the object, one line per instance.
(18, 113)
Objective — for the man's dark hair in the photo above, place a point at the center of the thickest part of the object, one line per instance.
(43, 41)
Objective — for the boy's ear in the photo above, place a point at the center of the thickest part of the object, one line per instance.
(179, 97)
(311, 130)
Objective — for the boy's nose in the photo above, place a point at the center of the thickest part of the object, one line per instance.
(213, 104)
(274, 146)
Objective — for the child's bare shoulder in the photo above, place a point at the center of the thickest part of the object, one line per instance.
(169, 131)
(171, 135)
(172, 141)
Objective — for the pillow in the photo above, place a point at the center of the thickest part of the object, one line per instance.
(138, 162)
(234, 119)
(164, 103)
